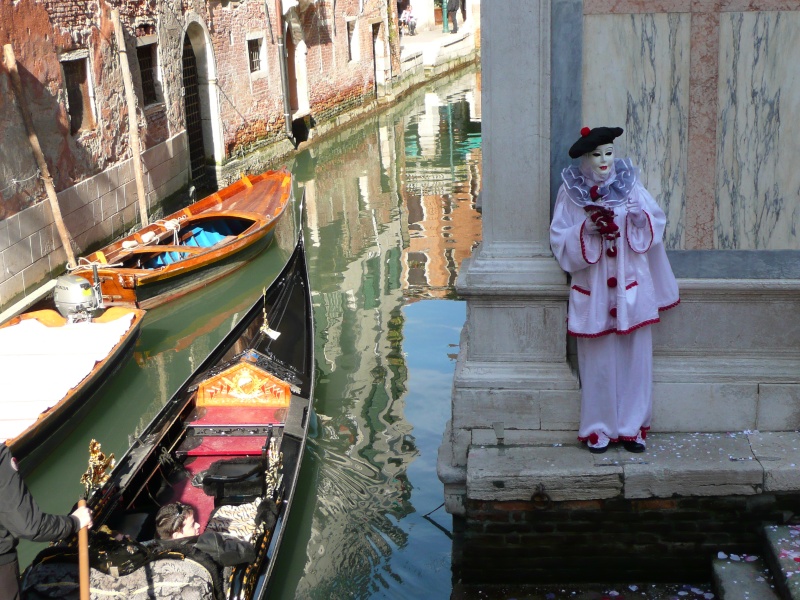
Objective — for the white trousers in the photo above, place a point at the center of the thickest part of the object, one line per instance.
(616, 384)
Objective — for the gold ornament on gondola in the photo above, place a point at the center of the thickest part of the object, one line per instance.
(265, 328)
(96, 474)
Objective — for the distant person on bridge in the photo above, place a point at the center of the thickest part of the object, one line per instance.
(607, 233)
(453, 6)
(409, 20)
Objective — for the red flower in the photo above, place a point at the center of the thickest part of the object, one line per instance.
(585, 131)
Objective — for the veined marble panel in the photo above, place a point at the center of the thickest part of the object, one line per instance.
(758, 132)
(636, 76)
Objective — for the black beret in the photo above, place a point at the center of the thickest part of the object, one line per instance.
(592, 138)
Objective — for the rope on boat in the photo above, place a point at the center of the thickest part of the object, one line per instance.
(85, 262)
(172, 225)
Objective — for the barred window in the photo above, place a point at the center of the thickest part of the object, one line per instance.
(79, 104)
(147, 65)
(254, 52)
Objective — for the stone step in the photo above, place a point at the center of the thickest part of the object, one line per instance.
(743, 578)
(744, 463)
(783, 545)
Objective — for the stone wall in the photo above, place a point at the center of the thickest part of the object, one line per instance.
(612, 541)
(95, 211)
(706, 95)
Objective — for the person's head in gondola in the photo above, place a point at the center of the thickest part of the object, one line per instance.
(175, 521)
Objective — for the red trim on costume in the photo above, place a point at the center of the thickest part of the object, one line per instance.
(623, 438)
(673, 305)
(652, 236)
(639, 326)
(588, 437)
(591, 335)
(581, 290)
(632, 438)
(630, 285)
(615, 330)
(583, 247)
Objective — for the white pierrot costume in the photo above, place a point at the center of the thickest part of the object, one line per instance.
(618, 287)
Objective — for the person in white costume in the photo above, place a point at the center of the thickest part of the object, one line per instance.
(607, 233)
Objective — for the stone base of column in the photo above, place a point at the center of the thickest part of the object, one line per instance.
(512, 379)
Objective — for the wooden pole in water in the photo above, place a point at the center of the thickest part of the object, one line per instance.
(16, 83)
(133, 125)
(83, 558)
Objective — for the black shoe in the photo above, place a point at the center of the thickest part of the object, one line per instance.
(598, 450)
(634, 447)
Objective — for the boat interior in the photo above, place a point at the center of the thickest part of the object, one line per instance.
(172, 245)
(231, 444)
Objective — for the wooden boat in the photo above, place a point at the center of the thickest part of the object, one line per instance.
(51, 370)
(231, 438)
(193, 246)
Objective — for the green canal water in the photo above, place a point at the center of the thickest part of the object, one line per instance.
(390, 213)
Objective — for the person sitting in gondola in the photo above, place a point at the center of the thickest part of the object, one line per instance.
(175, 522)
(177, 529)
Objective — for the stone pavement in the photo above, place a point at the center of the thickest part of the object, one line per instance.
(432, 46)
(675, 464)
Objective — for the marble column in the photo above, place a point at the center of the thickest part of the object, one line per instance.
(512, 377)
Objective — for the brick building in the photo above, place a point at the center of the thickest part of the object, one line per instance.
(210, 90)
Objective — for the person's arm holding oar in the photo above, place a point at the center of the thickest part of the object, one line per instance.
(21, 518)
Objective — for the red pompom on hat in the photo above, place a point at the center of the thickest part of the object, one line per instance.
(585, 131)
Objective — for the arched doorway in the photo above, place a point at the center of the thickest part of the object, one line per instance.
(194, 121)
(201, 106)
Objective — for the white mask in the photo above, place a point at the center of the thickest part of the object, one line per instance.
(600, 160)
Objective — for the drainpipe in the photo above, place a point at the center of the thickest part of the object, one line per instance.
(287, 108)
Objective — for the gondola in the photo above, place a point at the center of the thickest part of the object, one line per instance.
(229, 441)
(191, 247)
(52, 369)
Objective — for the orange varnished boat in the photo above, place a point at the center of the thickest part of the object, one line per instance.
(193, 246)
(52, 369)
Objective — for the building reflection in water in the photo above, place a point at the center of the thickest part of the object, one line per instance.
(391, 213)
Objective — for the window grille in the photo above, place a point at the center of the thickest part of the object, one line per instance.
(254, 51)
(147, 62)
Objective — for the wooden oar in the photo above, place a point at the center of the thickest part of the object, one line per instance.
(94, 477)
(83, 558)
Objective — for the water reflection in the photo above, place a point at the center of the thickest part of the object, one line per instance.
(391, 214)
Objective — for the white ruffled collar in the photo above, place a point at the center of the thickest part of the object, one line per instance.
(612, 191)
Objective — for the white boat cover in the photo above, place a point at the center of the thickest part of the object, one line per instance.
(39, 365)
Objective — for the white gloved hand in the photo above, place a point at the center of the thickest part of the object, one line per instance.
(636, 213)
(591, 227)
